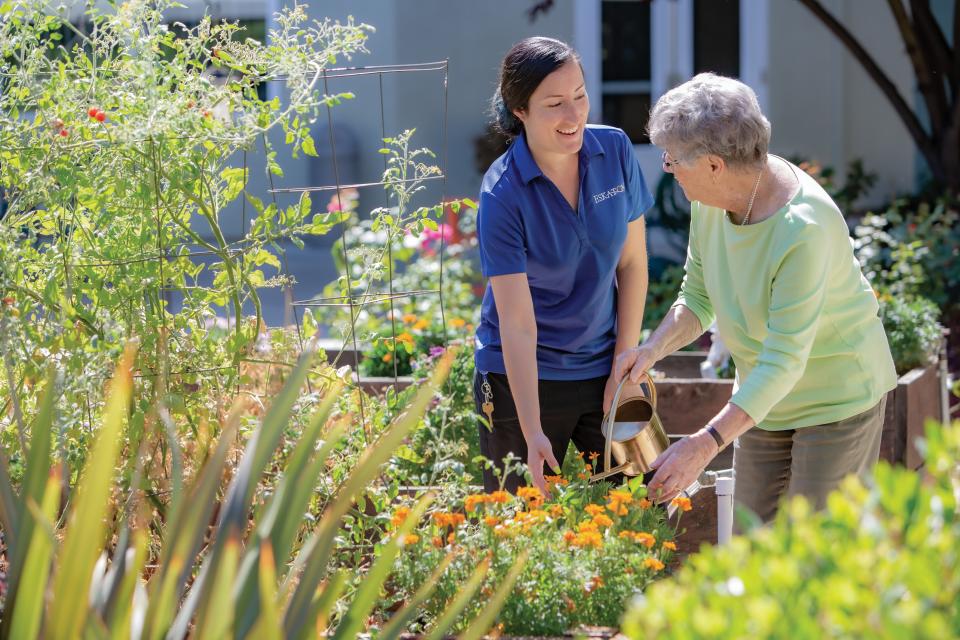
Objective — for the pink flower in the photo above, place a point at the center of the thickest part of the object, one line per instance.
(431, 239)
(344, 200)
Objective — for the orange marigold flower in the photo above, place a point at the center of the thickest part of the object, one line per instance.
(596, 582)
(617, 508)
(682, 502)
(421, 324)
(451, 537)
(457, 519)
(602, 520)
(388, 357)
(653, 563)
(588, 539)
(593, 509)
(583, 475)
(587, 525)
(594, 455)
(529, 493)
(436, 541)
(670, 545)
(471, 501)
(619, 495)
(645, 539)
(644, 503)
(491, 521)
(559, 481)
(409, 318)
(503, 531)
(625, 534)
(405, 338)
(411, 539)
(556, 510)
(569, 536)
(456, 323)
(498, 497)
(399, 516)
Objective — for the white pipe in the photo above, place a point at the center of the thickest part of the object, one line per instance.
(724, 491)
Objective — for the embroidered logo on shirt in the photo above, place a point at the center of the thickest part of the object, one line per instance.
(609, 193)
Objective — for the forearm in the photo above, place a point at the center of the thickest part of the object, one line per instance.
(679, 328)
(631, 297)
(520, 360)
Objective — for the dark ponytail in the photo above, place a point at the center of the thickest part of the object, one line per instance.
(523, 69)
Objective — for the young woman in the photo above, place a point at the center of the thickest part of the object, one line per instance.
(562, 242)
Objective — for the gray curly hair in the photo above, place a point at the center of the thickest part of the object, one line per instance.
(711, 114)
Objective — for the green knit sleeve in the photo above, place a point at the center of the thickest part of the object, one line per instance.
(693, 292)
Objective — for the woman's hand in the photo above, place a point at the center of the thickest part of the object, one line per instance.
(539, 450)
(634, 363)
(681, 464)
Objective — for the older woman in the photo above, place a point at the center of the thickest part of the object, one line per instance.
(770, 259)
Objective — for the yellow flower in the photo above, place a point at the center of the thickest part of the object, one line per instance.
(420, 324)
(532, 495)
(682, 502)
(619, 495)
(405, 338)
(456, 323)
(670, 545)
(652, 563)
(411, 539)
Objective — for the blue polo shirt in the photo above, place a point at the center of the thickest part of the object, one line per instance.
(525, 225)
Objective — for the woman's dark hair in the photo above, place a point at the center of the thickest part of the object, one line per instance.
(523, 69)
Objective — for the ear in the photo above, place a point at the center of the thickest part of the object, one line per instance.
(521, 115)
(717, 166)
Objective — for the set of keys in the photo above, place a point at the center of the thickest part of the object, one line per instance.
(487, 405)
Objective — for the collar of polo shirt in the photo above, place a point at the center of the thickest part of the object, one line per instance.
(528, 166)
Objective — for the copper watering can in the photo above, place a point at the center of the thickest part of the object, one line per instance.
(632, 430)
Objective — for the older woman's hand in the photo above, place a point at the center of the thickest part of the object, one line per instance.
(634, 363)
(680, 465)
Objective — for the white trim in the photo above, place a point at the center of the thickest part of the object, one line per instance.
(755, 48)
(586, 40)
(671, 48)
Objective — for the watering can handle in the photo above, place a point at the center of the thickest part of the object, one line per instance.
(611, 418)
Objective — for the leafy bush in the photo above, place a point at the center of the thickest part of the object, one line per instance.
(881, 561)
(913, 248)
(913, 330)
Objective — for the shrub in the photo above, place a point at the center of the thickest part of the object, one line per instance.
(913, 330)
(881, 561)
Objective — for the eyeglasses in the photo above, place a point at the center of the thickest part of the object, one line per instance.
(668, 162)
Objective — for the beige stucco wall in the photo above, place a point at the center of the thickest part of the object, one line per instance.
(824, 106)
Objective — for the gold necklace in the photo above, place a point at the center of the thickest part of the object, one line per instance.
(753, 195)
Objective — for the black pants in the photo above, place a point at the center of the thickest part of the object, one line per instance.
(569, 410)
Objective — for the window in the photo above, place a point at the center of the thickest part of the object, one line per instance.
(626, 66)
(716, 37)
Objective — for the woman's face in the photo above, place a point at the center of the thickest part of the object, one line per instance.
(697, 177)
(557, 112)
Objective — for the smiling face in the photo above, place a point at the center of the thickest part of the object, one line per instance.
(557, 112)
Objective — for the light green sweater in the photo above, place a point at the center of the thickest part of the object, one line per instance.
(793, 307)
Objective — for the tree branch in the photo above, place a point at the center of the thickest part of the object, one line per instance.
(935, 44)
(932, 90)
(886, 86)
